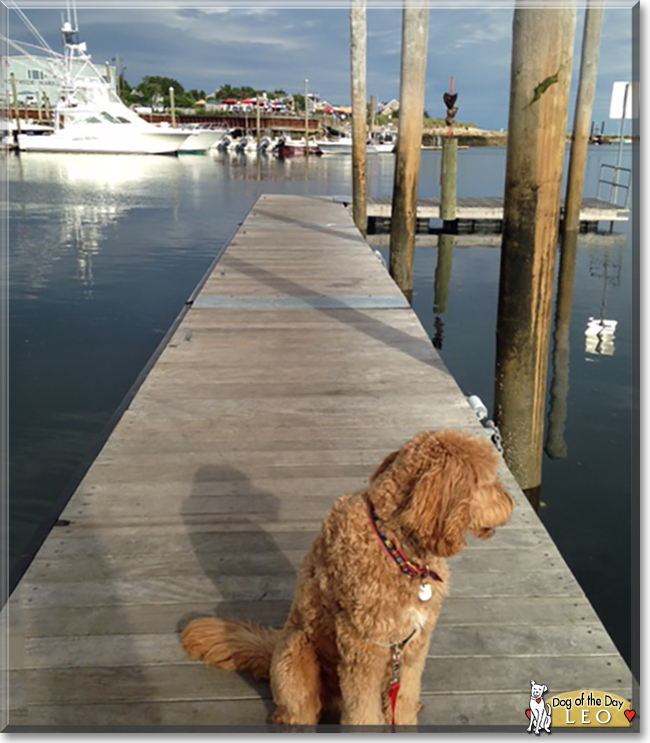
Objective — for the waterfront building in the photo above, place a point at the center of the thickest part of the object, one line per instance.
(38, 76)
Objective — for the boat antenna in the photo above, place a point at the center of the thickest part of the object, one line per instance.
(29, 25)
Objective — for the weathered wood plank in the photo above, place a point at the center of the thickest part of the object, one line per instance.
(158, 618)
(200, 587)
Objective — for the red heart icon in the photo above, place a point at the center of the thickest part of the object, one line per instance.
(528, 714)
(629, 713)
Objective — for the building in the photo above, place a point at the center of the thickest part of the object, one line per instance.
(388, 109)
(41, 79)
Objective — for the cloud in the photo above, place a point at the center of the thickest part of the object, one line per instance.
(272, 47)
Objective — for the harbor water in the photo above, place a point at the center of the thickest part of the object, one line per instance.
(105, 250)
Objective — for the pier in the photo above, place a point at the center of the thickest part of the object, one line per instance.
(293, 369)
(472, 212)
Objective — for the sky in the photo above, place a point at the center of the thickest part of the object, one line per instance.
(273, 47)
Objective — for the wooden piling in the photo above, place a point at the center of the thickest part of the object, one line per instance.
(415, 21)
(359, 118)
(582, 117)
(306, 119)
(172, 106)
(542, 49)
(448, 169)
(15, 101)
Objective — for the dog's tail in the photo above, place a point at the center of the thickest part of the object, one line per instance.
(231, 646)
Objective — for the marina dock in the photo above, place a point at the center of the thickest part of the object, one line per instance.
(477, 210)
(294, 368)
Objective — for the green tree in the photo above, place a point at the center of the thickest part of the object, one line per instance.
(299, 102)
(153, 86)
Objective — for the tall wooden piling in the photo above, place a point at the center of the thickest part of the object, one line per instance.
(14, 96)
(415, 22)
(306, 119)
(582, 117)
(172, 106)
(556, 447)
(448, 168)
(359, 112)
(542, 49)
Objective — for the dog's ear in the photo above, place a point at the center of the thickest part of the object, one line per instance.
(532, 683)
(384, 465)
(544, 688)
(438, 509)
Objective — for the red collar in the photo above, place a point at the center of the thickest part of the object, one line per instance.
(405, 565)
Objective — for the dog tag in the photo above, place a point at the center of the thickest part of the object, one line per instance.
(425, 592)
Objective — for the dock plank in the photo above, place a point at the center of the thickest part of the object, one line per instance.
(295, 370)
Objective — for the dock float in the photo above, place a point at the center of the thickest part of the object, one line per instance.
(470, 211)
(296, 366)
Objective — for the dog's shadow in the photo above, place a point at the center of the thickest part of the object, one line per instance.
(232, 525)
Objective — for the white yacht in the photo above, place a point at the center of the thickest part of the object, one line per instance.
(81, 129)
(341, 146)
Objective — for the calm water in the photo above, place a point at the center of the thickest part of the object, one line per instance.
(105, 250)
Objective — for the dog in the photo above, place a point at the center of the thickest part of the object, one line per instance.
(370, 589)
(540, 718)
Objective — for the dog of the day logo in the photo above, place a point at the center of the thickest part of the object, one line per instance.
(577, 710)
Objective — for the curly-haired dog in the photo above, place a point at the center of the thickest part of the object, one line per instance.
(370, 589)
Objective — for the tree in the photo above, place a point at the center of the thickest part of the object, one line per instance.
(299, 101)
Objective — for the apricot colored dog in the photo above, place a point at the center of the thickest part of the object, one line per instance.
(370, 589)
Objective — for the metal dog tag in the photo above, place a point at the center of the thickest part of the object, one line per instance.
(425, 592)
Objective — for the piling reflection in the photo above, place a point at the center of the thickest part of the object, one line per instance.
(600, 331)
(605, 264)
(441, 281)
(556, 447)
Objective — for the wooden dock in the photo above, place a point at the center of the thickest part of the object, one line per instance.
(296, 367)
(491, 209)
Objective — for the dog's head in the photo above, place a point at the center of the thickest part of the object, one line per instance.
(439, 486)
(537, 690)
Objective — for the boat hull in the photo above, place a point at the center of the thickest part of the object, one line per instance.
(114, 143)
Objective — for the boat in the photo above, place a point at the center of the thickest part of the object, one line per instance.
(288, 147)
(342, 146)
(96, 91)
(88, 100)
(91, 130)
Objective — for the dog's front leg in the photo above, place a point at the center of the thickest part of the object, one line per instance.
(408, 698)
(362, 677)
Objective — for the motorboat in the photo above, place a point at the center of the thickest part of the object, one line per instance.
(342, 146)
(102, 110)
(288, 147)
(81, 129)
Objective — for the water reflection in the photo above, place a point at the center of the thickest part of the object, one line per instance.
(441, 285)
(97, 192)
(556, 447)
(600, 331)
